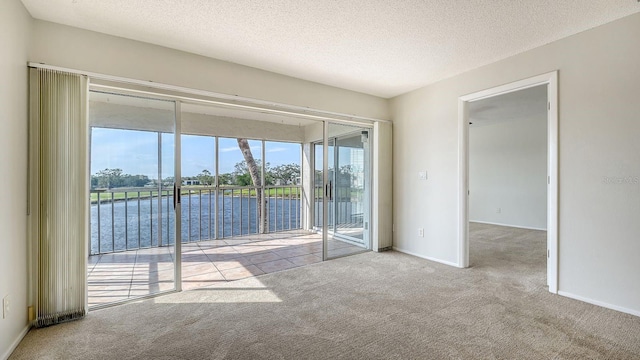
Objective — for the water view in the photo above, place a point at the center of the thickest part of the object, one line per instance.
(131, 224)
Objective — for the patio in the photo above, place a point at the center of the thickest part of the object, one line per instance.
(125, 275)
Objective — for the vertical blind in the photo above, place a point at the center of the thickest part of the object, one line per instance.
(59, 189)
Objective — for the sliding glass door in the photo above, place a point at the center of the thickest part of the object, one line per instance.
(133, 205)
(346, 184)
(233, 186)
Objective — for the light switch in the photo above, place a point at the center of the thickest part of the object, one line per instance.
(5, 307)
(422, 175)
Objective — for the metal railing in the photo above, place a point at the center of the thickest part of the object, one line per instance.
(124, 219)
(138, 218)
(283, 207)
(344, 209)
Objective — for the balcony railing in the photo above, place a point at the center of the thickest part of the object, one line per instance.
(344, 208)
(137, 218)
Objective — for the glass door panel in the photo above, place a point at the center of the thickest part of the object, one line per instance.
(198, 188)
(132, 214)
(350, 187)
(348, 202)
(318, 186)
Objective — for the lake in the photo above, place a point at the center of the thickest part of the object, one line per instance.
(134, 224)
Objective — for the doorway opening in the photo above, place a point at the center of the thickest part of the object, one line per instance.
(508, 185)
(497, 203)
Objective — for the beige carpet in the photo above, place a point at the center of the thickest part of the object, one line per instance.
(368, 306)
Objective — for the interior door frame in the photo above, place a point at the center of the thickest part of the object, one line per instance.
(551, 81)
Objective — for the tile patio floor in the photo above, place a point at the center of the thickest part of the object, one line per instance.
(121, 276)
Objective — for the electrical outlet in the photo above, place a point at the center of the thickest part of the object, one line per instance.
(498, 210)
(421, 232)
(5, 307)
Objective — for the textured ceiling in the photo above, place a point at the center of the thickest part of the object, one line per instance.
(380, 47)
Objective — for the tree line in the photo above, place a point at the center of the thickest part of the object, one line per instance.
(277, 175)
(115, 178)
(241, 176)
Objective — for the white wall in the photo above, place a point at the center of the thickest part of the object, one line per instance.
(599, 83)
(74, 48)
(15, 25)
(508, 171)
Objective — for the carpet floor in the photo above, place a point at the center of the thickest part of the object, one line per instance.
(368, 306)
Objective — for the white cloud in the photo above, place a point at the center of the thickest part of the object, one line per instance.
(278, 149)
(230, 148)
(254, 149)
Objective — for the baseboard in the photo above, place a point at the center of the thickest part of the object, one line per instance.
(507, 225)
(599, 303)
(14, 345)
(426, 257)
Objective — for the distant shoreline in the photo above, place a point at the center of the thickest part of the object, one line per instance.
(105, 198)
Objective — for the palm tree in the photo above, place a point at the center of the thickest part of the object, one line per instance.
(254, 171)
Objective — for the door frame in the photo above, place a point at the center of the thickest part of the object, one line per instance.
(177, 210)
(551, 81)
(329, 183)
(366, 239)
(177, 162)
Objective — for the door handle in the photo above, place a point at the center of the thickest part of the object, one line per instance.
(176, 195)
(329, 190)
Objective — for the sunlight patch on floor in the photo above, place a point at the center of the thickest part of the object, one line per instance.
(250, 290)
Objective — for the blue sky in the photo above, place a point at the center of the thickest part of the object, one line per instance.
(136, 152)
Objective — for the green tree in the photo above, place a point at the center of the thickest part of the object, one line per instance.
(134, 180)
(109, 178)
(225, 179)
(284, 174)
(114, 178)
(205, 177)
(243, 176)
